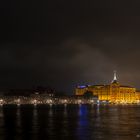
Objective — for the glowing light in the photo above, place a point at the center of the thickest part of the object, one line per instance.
(1, 102)
(91, 101)
(82, 86)
(34, 102)
(50, 101)
(79, 101)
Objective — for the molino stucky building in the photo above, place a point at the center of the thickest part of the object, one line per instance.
(114, 92)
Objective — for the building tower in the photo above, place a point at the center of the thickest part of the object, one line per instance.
(115, 77)
(114, 88)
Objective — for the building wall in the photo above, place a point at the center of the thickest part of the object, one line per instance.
(127, 95)
(114, 93)
(138, 96)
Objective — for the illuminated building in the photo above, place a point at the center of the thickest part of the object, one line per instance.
(113, 93)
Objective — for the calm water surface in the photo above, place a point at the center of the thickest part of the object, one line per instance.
(73, 122)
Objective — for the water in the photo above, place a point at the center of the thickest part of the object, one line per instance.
(71, 122)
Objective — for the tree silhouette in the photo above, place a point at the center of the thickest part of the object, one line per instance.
(88, 94)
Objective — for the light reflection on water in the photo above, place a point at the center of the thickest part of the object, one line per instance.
(71, 122)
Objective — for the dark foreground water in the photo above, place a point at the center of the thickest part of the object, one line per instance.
(73, 122)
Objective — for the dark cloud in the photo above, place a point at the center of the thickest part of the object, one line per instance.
(65, 43)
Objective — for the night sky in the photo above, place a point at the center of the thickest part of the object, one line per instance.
(64, 43)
